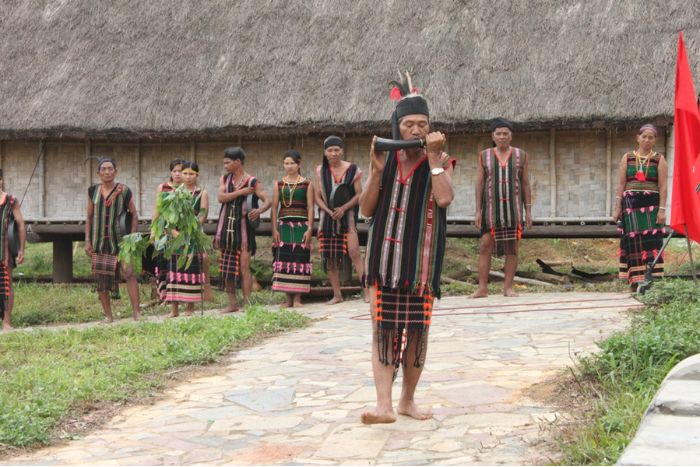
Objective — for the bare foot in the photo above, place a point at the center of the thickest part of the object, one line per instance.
(173, 315)
(136, 316)
(297, 305)
(334, 300)
(412, 410)
(366, 295)
(189, 313)
(510, 293)
(106, 321)
(370, 418)
(480, 294)
(229, 310)
(6, 327)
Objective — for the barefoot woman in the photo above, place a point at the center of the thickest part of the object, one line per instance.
(292, 226)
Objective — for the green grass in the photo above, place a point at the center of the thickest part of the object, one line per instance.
(42, 304)
(621, 380)
(46, 374)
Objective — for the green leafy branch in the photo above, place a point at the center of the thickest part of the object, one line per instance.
(175, 230)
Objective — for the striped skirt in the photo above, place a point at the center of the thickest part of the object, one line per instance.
(291, 266)
(403, 319)
(229, 265)
(105, 272)
(640, 237)
(181, 284)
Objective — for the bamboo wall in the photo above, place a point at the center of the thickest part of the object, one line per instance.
(573, 172)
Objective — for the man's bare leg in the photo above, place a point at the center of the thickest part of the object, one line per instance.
(356, 258)
(246, 275)
(383, 380)
(510, 268)
(334, 278)
(411, 375)
(485, 250)
(174, 310)
(296, 301)
(232, 303)
(190, 309)
(6, 320)
(106, 306)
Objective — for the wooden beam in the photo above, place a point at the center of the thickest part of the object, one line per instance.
(670, 149)
(552, 173)
(88, 164)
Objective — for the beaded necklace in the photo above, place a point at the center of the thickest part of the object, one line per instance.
(291, 187)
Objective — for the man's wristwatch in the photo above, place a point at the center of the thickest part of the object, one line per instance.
(437, 171)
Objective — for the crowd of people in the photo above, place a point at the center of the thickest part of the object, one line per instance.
(405, 196)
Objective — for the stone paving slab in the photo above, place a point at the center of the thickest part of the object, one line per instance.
(669, 433)
(296, 398)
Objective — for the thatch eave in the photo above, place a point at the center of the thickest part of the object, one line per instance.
(311, 129)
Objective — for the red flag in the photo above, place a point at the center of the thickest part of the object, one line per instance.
(685, 205)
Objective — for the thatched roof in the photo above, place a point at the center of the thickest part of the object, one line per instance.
(228, 67)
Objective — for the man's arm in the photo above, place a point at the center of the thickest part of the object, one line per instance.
(17, 214)
(134, 215)
(261, 194)
(224, 197)
(442, 184)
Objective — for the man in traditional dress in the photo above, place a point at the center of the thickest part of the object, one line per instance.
(337, 233)
(502, 188)
(406, 197)
(106, 203)
(10, 254)
(235, 232)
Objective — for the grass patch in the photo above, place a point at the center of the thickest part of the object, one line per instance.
(46, 374)
(42, 304)
(619, 382)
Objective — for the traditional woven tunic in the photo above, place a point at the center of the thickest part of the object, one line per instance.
(405, 250)
(234, 233)
(502, 199)
(641, 236)
(103, 234)
(333, 235)
(182, 284)
(7, 203)
(292, 258)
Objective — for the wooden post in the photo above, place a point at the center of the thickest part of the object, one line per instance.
(62, 261)
(608, 173)
(552, 173)
(139, 160)
(88, 163)
(193, 151)
(42, 179)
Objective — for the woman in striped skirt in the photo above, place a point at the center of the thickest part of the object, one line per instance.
(184, 284)
(640, 208)
(292, 227)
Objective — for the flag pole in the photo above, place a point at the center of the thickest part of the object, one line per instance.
(690, 254)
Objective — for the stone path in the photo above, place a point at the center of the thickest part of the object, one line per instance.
(296, 399)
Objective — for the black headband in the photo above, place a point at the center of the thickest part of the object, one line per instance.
(501, 123)
(411, 105)
(333, 141)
